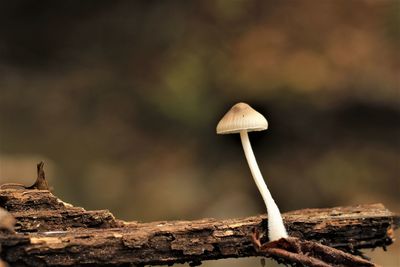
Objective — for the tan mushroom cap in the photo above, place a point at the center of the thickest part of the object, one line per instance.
(241, 117)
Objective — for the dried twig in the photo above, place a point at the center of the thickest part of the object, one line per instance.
(293, 250)
(40, 182)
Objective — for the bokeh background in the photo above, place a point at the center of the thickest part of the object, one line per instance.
(121, 99)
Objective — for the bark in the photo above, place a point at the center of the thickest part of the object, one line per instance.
(50, 232)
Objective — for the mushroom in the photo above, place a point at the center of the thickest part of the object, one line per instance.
(242, 118)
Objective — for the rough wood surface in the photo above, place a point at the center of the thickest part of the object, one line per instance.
(39, 210)
(51, 233)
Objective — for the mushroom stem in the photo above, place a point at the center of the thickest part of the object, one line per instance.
(276, 228)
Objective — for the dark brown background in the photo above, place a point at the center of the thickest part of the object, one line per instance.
(121, 100)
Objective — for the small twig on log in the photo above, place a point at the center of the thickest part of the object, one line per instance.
(40, 182)
(293, 250)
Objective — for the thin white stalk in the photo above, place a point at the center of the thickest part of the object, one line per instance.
(276, 228)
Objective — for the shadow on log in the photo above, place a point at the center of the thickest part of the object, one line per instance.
(50, 232)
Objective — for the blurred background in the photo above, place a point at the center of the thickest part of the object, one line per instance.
(121, 100)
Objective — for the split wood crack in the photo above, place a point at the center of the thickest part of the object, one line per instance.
(49, 232)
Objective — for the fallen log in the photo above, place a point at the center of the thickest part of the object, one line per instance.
(50, 232)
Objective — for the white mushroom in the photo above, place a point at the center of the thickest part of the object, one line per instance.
(241, 118)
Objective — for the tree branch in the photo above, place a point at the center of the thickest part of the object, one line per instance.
(51, 232)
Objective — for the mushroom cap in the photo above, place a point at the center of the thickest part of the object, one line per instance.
(241, 117)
